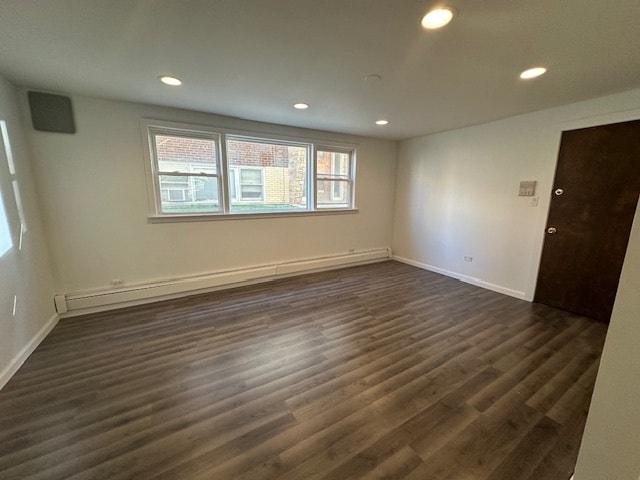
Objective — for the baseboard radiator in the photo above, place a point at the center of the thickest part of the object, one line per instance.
(78, 303)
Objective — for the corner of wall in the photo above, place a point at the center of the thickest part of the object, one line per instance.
(18, 360)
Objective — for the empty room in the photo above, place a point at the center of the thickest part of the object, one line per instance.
(330, 239)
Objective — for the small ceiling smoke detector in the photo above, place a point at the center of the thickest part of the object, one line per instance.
(533, 73)
(382, 122)
(300, 106)
(170, 80)
(437, 18)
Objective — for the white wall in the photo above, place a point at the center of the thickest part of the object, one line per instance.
(457, 193)
(25, 273)
(95, 212)
(611, 443)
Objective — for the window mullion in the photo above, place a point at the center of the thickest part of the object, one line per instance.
(333, 178)
(224, 169)
(157, 191)
(313, 183)
(187, 174)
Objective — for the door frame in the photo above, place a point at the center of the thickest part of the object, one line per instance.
(545, 202)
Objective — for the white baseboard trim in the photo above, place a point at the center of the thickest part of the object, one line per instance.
(27, 350)
(464, 278)
(80, 303)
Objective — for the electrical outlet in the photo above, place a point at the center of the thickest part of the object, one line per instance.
(468, 259)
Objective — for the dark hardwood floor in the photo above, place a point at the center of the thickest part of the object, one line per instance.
(378, 371)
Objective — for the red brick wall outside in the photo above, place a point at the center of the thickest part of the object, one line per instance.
(185, 150)
(257, 154)
(324, 162)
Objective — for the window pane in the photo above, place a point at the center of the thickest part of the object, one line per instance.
(205, 189)
(189, 194)
(335, 164)
(185, 154)
(6, 240)
(334, 180)
(269, 175)
(333, 194)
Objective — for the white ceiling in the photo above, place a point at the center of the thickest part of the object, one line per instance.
(254, 58)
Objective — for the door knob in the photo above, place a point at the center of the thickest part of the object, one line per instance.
(552, 230)
(559, 191)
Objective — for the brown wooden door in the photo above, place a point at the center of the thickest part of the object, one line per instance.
(593, 202)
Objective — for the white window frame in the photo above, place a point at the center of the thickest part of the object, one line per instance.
(153, 171)
(150, 128)
(273, 140)
(349, 180)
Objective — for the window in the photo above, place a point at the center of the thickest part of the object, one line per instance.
(202, 171)
(334, 178)
(269, 175)
(185, 172)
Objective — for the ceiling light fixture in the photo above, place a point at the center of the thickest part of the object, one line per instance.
(437, 18)
(300, 106)
(382, 122)
(170, 80)
(533, 73)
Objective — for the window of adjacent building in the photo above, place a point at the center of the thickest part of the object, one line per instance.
(246, 185)
(190, 174)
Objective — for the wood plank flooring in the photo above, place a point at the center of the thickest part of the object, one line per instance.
(378, 371)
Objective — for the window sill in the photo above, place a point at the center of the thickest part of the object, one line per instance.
(247, 216)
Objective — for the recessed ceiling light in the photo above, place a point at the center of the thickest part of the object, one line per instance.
(382, 122)
(533, 73)
(301, 106)
(169, 80)
(437, 18)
